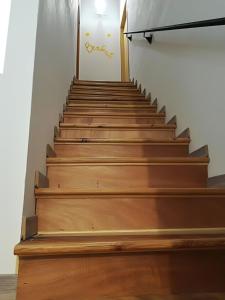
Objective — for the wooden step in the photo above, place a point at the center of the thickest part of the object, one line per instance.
(130, 88)
(109, 92)
(116, 113)
(156, 211)
(157, 118)
(117, 84)
(155, 131)
(119, 266)
(122, 149)
(114, 105)
(107, 102)
(126, 172)
(112, 109)
(107, 97)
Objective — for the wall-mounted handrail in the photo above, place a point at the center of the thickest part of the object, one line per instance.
(197, 24)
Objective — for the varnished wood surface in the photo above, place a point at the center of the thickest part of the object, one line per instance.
(116, 244)
(120, 149)
(114, 105)
(128, 213)
(111, 110)
(189, 160)
(117, 84)
(107, 120)
(126, 132)
(96, 277)
(60, 213)
(130, 114)
(214, 192)
(119, 126)
(117, 175)
(98, 101)
(127, 141)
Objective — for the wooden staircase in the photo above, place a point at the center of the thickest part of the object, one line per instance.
(125, 211)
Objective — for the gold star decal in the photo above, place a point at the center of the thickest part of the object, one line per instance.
(87, 33)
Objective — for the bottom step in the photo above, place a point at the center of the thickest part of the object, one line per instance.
(95, 268)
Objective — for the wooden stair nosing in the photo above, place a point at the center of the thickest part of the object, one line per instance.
(118, 115)
(127, 160)
(116, 244)
(103, 83)
(118, 126)
(172, 192)
(128, 141)
(135, 106)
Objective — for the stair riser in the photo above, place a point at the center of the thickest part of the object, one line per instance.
(105, 93)
(105, 102)
(159, 273)
(109, 133)
(83, 88)
(113, 120)
(102, 213)
(118, 150)
(106, 97)
(121, 175)
(116, 85)
(117, 110)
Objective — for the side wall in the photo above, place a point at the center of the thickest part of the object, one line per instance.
(53, 71)
(99, 37)
(15, 101)
(184, 69)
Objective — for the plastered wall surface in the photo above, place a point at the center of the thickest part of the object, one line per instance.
(100, 42)
(53, 71)
(15, 101)
(184, 69)
(39, 66)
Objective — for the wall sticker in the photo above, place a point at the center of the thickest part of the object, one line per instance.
(103, 49)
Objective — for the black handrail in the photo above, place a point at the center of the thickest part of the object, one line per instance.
(197, 24)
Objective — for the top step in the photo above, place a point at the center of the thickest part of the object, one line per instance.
(104, 83)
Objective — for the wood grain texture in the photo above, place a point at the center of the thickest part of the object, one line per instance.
(120, 149)
(120, 175)
(98, 101)
(121, 275)
(125, 212)
(118, 133)
(60, 213)
(106, 120)
(108, 244)
(111, 110)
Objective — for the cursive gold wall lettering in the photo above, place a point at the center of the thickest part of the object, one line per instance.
(92, 48)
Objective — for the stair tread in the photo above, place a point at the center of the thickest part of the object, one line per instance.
(142, 115)
(120, 126)
(132, 192)
(116, 105)
(128, 141)
(68, 245)
(127, 160)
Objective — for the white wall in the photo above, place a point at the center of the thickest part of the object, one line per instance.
(184, 69)
(97, 65)
(53, 71)
(15, 102)
(30, 114)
